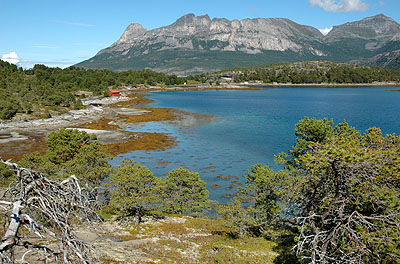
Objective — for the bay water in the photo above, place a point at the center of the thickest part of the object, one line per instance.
(251, 126)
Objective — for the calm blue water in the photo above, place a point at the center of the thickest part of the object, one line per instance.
(251, 126)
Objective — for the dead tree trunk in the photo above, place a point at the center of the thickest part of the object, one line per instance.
(55, 202)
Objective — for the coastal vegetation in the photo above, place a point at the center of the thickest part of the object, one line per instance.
(339, 190)
(42, 90)
(336, 200)
(309, 72)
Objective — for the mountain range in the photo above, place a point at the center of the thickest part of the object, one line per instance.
(197, 44)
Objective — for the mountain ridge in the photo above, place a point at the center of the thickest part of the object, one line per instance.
(195, 44)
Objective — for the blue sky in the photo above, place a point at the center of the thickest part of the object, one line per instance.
(64, 32)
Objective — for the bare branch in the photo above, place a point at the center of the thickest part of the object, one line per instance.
(34, 196)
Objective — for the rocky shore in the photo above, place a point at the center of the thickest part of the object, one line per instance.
(108, 117)
(21, 136)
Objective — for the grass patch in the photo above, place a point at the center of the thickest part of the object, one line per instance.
(215, 226)
(222, 249)
(110, 261)
(199, 240)
(107, 213)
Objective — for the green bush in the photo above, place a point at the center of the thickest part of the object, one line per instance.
(133, 189)
(184, 192)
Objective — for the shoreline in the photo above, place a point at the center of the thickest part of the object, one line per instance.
(108, 118)
(322, 84)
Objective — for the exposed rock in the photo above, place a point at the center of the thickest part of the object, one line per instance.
(380, 27)
(390, 60)
(248, 35)
(195, 44)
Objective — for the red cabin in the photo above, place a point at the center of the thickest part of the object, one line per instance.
(114, 92)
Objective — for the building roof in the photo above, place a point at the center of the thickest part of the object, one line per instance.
(113, 91)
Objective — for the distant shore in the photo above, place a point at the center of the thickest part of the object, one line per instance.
(380, 84)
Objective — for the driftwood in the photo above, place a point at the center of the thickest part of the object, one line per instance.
(46, 208)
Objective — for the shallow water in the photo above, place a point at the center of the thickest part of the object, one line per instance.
(251, 126)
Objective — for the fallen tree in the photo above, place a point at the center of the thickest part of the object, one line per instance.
(46, 208)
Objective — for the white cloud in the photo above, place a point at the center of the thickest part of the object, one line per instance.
(11, 57)
(340, 5)
(76, 24)
(45, 47)
(325, 31)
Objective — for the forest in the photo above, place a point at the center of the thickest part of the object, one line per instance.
(42, 88)
(312, 72)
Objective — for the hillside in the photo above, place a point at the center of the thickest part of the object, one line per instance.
(311, 72)
(389, 60)
(197, 44)
(43, 91)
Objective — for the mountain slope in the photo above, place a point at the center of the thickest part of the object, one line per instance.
(390, 60)
(195, 44)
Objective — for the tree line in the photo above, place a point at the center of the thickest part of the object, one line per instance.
(42, 87)
(314, 72)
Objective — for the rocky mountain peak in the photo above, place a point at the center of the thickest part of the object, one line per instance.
(375, 27)
(133, 31)
(194, 44)
(379, 18)
(192, 20)
(380, 23)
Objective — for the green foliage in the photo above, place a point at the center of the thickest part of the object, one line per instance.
(315, 72)
(64, 144)
(311, 131)
(90, 164)
(346, 189)
(133, 188)
(9, 105)
(41, 87)
(184, 192)
(78, 104)
(236, 212)
(256, 206)
(71, 151)
(6, 175)
(340, 188)
(40, 163)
